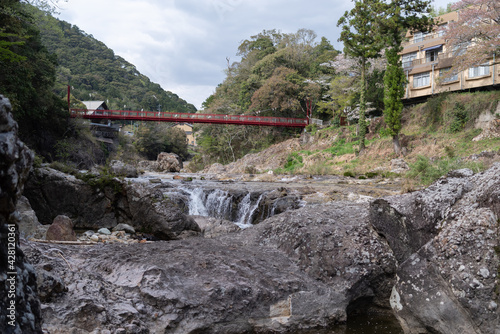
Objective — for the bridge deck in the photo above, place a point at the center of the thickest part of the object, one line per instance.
(154, 116)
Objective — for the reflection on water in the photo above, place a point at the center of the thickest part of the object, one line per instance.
(373, 324)
(364, 324)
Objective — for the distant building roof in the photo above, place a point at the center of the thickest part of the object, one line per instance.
(98, 105)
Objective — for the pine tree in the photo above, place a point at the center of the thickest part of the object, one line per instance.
(398, 17)
(359, 34)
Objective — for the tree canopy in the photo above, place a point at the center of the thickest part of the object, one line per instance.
(477, 30)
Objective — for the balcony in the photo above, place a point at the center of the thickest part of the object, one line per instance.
(441, 56)
(422, 39)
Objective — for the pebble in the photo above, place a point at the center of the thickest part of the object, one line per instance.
(114, 237)
(104, 231)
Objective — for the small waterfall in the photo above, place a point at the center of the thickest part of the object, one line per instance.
(246, 210)
(221, 204)
(215, 203)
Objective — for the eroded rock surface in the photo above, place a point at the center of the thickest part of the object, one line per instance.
(19, 303)
(290, 272)
(447, 239)
(95, 205)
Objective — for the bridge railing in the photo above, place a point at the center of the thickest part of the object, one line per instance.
(188, 117)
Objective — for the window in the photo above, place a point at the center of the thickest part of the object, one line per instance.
(419, 36)
(479, 71)
(432, 55)
(408, 58)
(445, 76)
(421, 79)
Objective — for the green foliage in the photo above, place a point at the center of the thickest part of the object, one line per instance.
(277, 74)
(341, 147)
(394, 80)
(154, 138)
(312, 128)
(426, 171)
(96, 73)
(363, 42)
(349, 174)
(371, 175)
(294, 161)
(459, 118)
(27, 76)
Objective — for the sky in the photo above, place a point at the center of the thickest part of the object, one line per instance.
(184, 45)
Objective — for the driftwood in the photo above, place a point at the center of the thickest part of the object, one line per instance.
(63, 242)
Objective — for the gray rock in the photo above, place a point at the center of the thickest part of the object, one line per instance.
(214, 227)
(29, 226)
(15, 163)
(452, 223)
(300, 270)
(104, 231)
(124, 227)
(168, 162)
(399, 166)
(141, 206)
(61, 229)
(120, 168)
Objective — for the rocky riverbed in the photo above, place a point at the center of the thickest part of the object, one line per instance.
(310, 255)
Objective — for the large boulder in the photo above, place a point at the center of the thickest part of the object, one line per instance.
(302, 270)
(168, 162)
(61, 229)
(446, 239)
(120, 168)
(52, 193)
(105, 202)
(19, 304)
(154, 213)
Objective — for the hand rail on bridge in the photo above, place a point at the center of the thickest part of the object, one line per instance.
(161, 116)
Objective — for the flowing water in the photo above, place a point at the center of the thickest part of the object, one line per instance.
(243, 204)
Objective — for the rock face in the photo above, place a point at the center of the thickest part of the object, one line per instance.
(289, 273)
(447, 240)
(121, 169)
(19, 303)
(168, 162)
(431, 255)
(61, 229)
(97, 205)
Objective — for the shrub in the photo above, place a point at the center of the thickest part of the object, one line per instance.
(320, 168)
(349, 174)
(293, 162)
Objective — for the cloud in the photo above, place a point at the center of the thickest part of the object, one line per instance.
(183, 44)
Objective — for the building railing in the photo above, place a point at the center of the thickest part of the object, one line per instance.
(428, 60)
(425, 38)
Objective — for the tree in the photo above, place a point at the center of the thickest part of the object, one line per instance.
(397, 18)
(285, 93)
(477, 30)
(359, 34)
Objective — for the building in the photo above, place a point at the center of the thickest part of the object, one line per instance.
(427, 63)
(95, 105)
(188, 129)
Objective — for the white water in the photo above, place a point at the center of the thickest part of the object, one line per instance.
(220, 204)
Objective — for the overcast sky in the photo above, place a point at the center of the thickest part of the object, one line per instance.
(183, 44)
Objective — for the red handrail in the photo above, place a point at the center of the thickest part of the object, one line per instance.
(156, 116)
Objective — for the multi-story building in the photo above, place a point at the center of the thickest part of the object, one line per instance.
(427, 63)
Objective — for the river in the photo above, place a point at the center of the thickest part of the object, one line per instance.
(240, 200)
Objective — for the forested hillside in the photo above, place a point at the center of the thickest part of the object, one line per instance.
(95, 73)
(278, 75)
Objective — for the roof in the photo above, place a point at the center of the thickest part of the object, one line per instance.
(95, 105)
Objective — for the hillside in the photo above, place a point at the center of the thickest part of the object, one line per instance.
(96, 73)
(447, 132)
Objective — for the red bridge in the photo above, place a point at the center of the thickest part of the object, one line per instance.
(156, 116)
